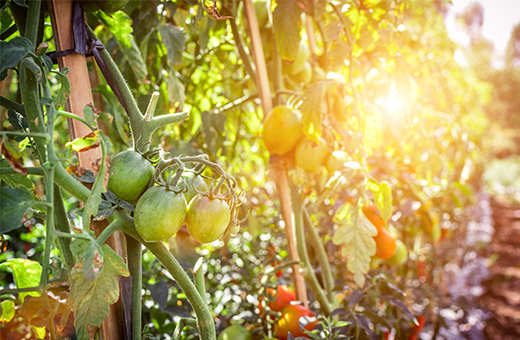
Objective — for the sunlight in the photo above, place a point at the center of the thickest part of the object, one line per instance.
(394, 102)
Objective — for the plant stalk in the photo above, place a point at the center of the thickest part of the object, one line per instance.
(135, 265)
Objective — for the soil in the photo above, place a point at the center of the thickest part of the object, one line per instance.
(503, 287)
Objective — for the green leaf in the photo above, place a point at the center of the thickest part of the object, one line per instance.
(85, 143)
(120, 25)
(311, 110)
(356, 234)
(173, 38)
(7, 311)
(15, 203)
(287, 24)
(383, 197)
(176, 90)
(89, 254)
(92, 298)
(26, 274)
(14, 180)
(14, 50)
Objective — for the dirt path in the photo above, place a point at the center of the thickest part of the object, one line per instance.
(503, 287)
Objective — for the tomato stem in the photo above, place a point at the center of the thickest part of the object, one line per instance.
(135, 266)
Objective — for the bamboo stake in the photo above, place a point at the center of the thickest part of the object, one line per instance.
(81, 95)
(278, 169)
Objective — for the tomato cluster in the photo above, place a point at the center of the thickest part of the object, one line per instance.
(161, 211)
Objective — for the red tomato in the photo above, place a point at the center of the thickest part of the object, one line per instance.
(285, 296)
(416, 330)
(289, 322)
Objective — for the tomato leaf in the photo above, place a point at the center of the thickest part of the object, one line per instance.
(7, 311)
(355, 234)
(173, 38)
(176, 90)
(34, 310)
(14, 50)
(85, 143)
(13, 155)
(92, 298)
(383, 197)
(90, 256)
(26, 274)
(311, 110)
(287, 24)
(210, 6)
(15, 203)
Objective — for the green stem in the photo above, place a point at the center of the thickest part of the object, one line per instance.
(8, 32)
(9, 104)
(310, 276)
(33, 20)
(69, 184)
(326, 273)
(22, 290)
(135, 265)
(199, 280)
(109, 230)
(45, 136)
(32, 170)
(62, 224)
(205, 321)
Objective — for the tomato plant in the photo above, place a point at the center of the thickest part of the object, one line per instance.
(207, 218)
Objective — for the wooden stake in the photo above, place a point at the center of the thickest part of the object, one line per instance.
(81, 95)
(278, 169)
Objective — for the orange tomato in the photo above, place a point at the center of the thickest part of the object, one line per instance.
(282, 130)
(372, 214)
(385, 244)
(289, 322)
(285, 296)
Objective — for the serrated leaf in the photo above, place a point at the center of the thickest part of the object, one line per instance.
(383, 198)
(355, 234)
(14, 50)
(287, 24)
(15, 203)
(13, 156)
(34, 310)
(7, 311)
(26, 274)
(125, 205)
(92, 298)
(173, 38)
(311, 111)
(90, 256)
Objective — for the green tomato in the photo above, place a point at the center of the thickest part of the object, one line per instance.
(111, 6)
(336, 160)
(207, 218)
(193, 182)
(129, 175)
(401, 254)
(159, 214)
(235, 333)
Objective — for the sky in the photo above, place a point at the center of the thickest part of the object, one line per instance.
(500, 16)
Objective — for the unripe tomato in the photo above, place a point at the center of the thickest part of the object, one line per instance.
(385, 244)
(193, 181)
(401, 254)
(336, 160)
(289, 322)
(159, 214)
(235, 333)
(129, 175)
(207, 218)
(305, 74)
(111, 6)
(285, 296)
(303, 54)
(311, 156)
(282, 130)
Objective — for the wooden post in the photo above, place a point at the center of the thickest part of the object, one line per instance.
(81, 95)
(278, 168)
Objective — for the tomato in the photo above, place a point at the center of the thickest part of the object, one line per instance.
(282, 130)
(289, 322)
(336, 160)
(193, 181)
(111, 6)
(284, 297)
(159, 214)
(401, 254)
(311, 156)
(372, 214)
(207, 218)
(235, 333)
(301, 57)
(385, 244)
(129, 175)
(305, 74)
